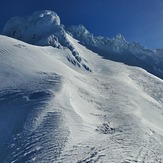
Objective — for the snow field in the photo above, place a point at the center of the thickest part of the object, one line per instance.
(53, 111)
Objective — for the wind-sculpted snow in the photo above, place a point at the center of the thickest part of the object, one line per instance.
(43, 28)
(31, 29)
(30, 129)
(29, 121)
(53, 110)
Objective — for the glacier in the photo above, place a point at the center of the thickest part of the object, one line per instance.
(69, 96)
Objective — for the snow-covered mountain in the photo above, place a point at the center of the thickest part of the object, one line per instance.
(118, 49)
(65, 103)
(44, 28)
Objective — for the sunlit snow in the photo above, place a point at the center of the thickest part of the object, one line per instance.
(55, 107)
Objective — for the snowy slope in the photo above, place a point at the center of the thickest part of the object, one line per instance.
(51, 110)
(67, 104)
(45, 28)
(118, 49)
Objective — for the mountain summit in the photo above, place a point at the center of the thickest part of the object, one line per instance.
(34, 29)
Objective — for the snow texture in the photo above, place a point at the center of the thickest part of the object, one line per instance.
(52, 109)
(31, 29)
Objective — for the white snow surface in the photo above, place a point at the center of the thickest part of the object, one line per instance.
(54, 111)
(31, 29)
(43, 28)
(65, 103)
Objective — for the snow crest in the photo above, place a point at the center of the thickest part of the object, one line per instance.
(43, 28)
(34, 28)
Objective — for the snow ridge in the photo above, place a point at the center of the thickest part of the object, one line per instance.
(44, 28)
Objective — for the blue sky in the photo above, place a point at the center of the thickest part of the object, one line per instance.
(136, 20)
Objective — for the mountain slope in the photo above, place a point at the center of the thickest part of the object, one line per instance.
(44, 28)
(118, 49)
(52, 110)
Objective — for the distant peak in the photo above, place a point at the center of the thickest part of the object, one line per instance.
(78, 29)
(120, 37)
(53, 17)
(79, 26)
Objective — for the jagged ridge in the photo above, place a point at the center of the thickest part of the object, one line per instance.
(118, 49)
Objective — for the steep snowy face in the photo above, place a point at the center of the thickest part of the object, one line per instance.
(79, 30)
(51, 111)
(118, 49)
(34, 28)
(81, 33)
(118, 44)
